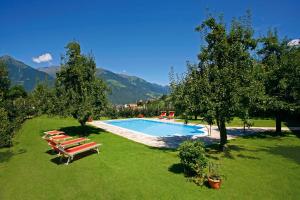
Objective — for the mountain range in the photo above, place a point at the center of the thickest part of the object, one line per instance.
(124, 88)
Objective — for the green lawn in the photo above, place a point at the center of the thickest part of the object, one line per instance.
(255, 168)
(257, 122)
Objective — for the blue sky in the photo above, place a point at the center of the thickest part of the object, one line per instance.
(142, 37)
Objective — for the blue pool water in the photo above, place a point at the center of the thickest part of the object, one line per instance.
(157, 128)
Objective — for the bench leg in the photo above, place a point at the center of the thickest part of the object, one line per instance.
(69, 159)
(97, 149)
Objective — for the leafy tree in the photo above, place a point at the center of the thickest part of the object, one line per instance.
(17, 91)
(77, 86)
(14, 107)
(45, 101)
(180, 97)
(229, 67)
(5, 129)
(282, 76)
(4, 81)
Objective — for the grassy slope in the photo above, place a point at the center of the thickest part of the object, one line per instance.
(237, 122)
(265, 168)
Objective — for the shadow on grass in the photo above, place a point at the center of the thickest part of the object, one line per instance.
(268, 134)
(213, 151)
(247, 157)
(81, 131)
(176, 168)
(51, 152)
(173, 142)
(163, 149)
(292, 122)
(8, 154)
(59, 161)
(289, 152)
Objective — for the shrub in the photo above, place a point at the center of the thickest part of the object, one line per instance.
(214, 171)
(193, 159)
(5, 129)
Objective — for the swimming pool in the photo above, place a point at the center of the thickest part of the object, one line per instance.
(158, 128)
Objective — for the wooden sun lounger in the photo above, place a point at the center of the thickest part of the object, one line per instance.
(49, 134)
(53, 132)
(163, 114)
(58, 138)
(171, 115)
(71, 152)
(73, 142)
(66, 144)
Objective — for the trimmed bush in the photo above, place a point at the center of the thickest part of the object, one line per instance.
(192, 157)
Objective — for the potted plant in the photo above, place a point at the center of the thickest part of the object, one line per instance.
(140, 116)
(214, 177)
(90, 119)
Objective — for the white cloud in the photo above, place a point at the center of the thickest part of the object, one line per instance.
(42, 58)
(295, 42)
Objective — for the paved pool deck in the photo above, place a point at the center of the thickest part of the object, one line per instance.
(174, 141)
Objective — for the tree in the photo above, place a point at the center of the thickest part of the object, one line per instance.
(15, 107)
(179, 95)
(4, 81)
(77, 86)
(17, 91)
(45, 101)
(5, 129)
(229, 67)
(282, 76)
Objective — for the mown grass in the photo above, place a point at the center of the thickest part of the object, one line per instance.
(257, 122)
(255, 168)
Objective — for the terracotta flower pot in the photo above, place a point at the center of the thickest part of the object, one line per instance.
(140, 116)
(215, 184)
(90, 119)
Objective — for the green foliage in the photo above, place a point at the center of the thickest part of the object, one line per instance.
(45, 101)
(5, 129)
(230, 69)
(15, 107)
(214, 171)
(110, 112)
(282, 76)
(227, 80)
(193, 158)
(17, 91)
(80, 92)
(4, 80)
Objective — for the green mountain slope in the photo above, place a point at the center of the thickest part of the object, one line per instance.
(22, 74)
(124, 88)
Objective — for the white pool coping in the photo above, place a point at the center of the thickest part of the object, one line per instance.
(150, 140)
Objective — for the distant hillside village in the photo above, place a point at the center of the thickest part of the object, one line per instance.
(138, 105)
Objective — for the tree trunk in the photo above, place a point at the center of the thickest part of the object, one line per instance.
(82, 123)
(196, 117)
(278, 123)
(223, 133)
